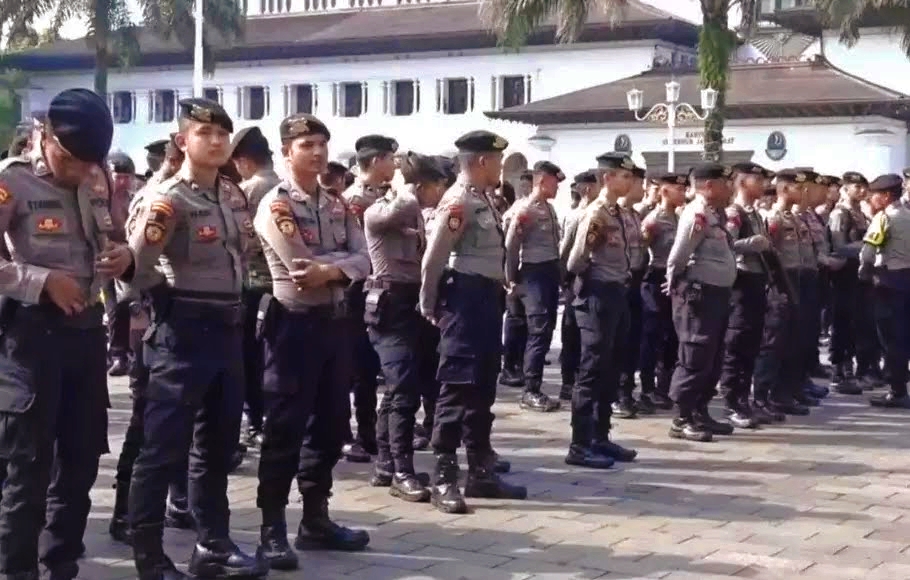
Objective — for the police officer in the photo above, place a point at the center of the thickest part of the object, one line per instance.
(55, 219)
(155, 153)
(600, 261)
(193, 229)
(846, 227)
(586, 184)
(777, 377)
(533, 278)
(376, 160)
(657, 354)
(885, 259)
(749, 297)
(396, 236)
(525, 185)
(701, 270)
(627, 406)
(315, 249)
(122, 171)
(461, 284)
(171, 161)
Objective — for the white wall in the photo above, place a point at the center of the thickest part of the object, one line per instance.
(554, 71)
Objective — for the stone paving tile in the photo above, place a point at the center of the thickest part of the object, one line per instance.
(822, 497)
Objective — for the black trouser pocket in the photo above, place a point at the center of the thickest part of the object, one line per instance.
(17, 429)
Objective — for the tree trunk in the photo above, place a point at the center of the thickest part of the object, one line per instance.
(716, 43)
(102, 25)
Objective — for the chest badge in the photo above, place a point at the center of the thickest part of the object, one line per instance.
(49, 225)
(206, 233)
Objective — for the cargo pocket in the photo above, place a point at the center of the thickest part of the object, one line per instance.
(17, 434)
(695, 352)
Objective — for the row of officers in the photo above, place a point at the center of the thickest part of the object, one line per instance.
(417, 276)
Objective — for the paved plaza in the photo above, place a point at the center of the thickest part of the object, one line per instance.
(825, 497)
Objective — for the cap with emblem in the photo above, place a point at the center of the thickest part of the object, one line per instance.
(833, 180)
(752, 169)
(791, 176)
(481, 142)
(157, 147)
(302, 125)
(638, 172)
(417, 168)
(811, 176)
(375, 145)
(120, 162)
(334, 168)
(82, 124)
(249, 141)
(888, 183)
(550, 169)
(614, 160)
(589, 176)
(672, 178)
(710, 171)
(854, 177)
(205, 111)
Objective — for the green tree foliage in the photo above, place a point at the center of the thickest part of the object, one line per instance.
(848, 16)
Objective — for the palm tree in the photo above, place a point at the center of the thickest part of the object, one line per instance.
(850, 15)
(112, 34)
(514, 20)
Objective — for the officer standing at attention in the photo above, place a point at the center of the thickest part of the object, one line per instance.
(123, 181)
(659, 346)
(396, 237)
(569, 356)
(315, 250)
(55, 220)
(701, 270)
(600, 262)
(253, 159)
(533, 277)
(749, 298)
(461, 284)
(155, 155)
(849, 329)
(376, 160)
(189, 240)
(885, 259)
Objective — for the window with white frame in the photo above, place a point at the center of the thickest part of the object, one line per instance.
(455, 96)
(512, 90)
(212, 94)
(301, 99)
(350, 99)
(123, 106)
(253, 102)
(402, 98)
(163, 106)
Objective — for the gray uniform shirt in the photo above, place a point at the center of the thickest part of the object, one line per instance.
(294, 224)
(703, 250)
(569, 230)
(466, 235)
(47, 227)
(635, 245)
(395, 236)
(785, 230)
(748, 248)
(532, 235)
(195, 238)
(658, 231)
(846, 226)
(254, 189)
(809, 243)
(887, 242)
(360, 196)
(599, 250)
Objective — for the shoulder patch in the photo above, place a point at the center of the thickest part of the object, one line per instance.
(700, 221)
(455, 216)
(733, 218)
(286, 225)
(279, 207)
(5, 195)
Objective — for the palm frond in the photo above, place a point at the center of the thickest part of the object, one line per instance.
(514, 21)
(848, 17)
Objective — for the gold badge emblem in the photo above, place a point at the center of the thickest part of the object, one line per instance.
(4, 194)
(627, 163)
(499, 143)
(49, 225)
(201, 114)
(154, 233)
(287, 226)
(299, 126)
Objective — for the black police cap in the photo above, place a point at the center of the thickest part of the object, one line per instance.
(373, 145)
(205, 111)
(481, 142)
(302, 125)
(811, 176)
(416, 168)
(638, 172)
(82, 124)
(710, 171)
(550, 169)
(588, 176)
(751, 168)
(120, 162)
(335, 168)
(157, 147)
(888, 183)
(833, 180)
(249, 141)
(672, 178)
(791, 176)
(448, 166)
(526, 175)
(854, 177)
(614, 160)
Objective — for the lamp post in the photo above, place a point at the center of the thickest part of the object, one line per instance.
(670, 112)
(197, 50)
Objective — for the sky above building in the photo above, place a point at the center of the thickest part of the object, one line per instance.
(688, 9)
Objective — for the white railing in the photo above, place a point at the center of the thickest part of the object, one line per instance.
(279, 7)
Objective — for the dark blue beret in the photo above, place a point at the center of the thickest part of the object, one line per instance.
(481, 142)
(550, 169)
(791, 175)
(752, 169)
(120, 162)
(614, 160)
(416, 168)
(302, 125)
(890, 183)
(589, 176)
(157, 147)
(673, 178)
(82, 123)
(373, 145)
(249, 141)
(854, 177)
(638, 172)
(206, 111)
(710, 171)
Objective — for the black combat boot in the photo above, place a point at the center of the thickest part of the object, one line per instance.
(151, 563)
(180, 519)
(223, 559)
(120, 524)
(843, 385)
(533, 400)
(484, 482)
(787, 406)
(646, 405)
(382, 471)
(355, 453)
(683, 428)
(511, 377)
(444, 494)
(604, 446)
(565, 391)
(318, 532)
(501, 465)
(274, 547)
(65, 571)
(33, 575)
(766, 411)
(580, 451)
(625, 407)
(702, 417)
(894, 399)
(421, 438)
(741, 415)
(406, 484)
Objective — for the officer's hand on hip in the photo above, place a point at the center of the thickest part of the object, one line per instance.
(665, 288)
(763, 244)
(312, 274)
(114, 260)
(65, 292)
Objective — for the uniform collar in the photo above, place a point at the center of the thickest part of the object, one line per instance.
(39, 165)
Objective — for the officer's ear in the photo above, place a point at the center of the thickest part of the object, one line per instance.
(180, 141)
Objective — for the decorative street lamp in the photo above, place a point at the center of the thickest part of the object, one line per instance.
(670, 112)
